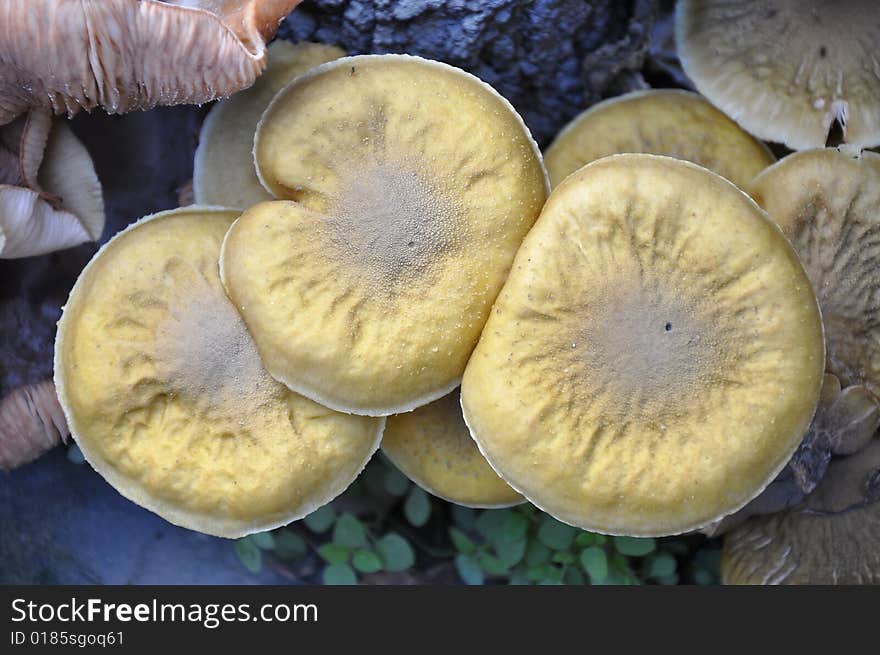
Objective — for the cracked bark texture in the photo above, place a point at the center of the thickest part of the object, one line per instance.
(550, 58)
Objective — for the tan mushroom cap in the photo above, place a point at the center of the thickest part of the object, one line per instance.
(165, 393)
(434, 449)
(224, 164)
(123, 55)
(412, 184)
(828, 205)
(62, 206)
(831, 538)
(655, 355)
(668, 122)
(787, 69)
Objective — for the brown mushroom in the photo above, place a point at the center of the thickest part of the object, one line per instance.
(845, 422)
(31, 422)
(123, 55)
(831, 538)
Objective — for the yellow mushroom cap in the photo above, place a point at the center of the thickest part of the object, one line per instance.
(655, 355)
(412, 184)
(165, 393)
(434, 449)
(831, 538)
(223, 172)
(668, 122)
(787, 69)
(828, 205)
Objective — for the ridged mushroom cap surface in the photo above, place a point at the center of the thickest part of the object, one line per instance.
(410, 185)
(224, 171)
(655, 355)
(675, 123)
(434, 449)
(828, 205)
(831, 538)
(165, 393)
(786, 70)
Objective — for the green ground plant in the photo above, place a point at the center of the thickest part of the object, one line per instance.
(386, 529)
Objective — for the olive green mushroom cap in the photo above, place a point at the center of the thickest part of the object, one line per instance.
(831, 538)
(407, 187)
(434, 449)
(670, 122)
(786, 70)
(827, 203)
(655, 355)
(223, 171)
(165, 393)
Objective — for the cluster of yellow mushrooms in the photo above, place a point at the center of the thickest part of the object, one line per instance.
(639, 352)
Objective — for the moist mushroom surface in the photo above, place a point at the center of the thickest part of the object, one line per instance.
(828, 205)
(831, 538)
(165, 393)
(786, 70)
(410, 185)
(433, 447)
(224, 164)
(655, 355)
(668, 122)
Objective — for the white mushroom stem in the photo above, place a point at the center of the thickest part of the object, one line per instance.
(31, 422)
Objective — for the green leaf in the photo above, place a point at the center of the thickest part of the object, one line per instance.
(634, 546)
(515, 527)
(468, 569)
(553, 576)
(573, 576)
(595, 563)
(538, 573)
(321, 519)
(536, 553)
(366, 561)
(396, 553)
(349, 532)
(492, 564)
(669, 580)
(584, 539)
(703, 577)
(417, 508)
(517, 578)
(661, 565)
(556, 535)
(334, 553)
(563, 557)
(289, 545)
(461, 541)
(74, 454)
(264, 540)
(511, 552)
(464, 517)
(339, 574)
(491, 523)
(526, 509)
(396, 483)
(249, 554)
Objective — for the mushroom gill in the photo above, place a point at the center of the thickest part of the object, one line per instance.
(123, 55)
